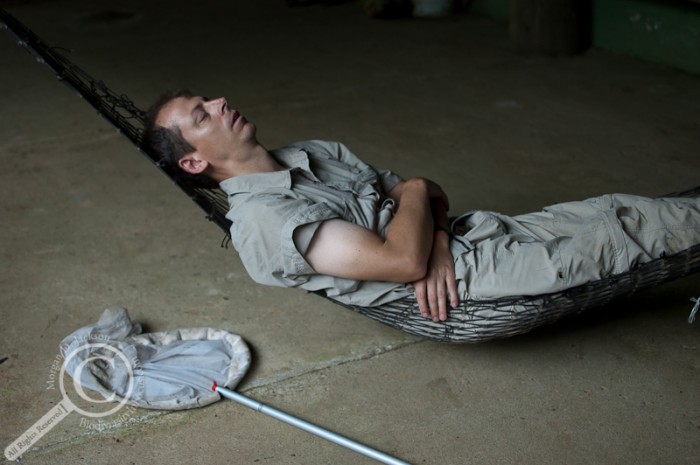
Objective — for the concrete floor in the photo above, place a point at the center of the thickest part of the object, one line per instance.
(88, 223)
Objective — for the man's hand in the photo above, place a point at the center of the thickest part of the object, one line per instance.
(435, 193)
(439, 283)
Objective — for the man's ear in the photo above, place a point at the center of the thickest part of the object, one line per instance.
(192, 163)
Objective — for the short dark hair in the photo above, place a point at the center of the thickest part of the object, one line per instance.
(167, 143)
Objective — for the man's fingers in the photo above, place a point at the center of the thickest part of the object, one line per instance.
(442, 300)
(452, 288)
(433, 295)
(437, 299)
(433, 301)
(420, 289)
(443, 309)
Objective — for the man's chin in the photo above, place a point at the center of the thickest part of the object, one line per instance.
(250, 131)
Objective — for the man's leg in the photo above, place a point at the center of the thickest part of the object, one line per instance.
(573, 243)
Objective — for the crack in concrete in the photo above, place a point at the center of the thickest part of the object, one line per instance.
(334, 362)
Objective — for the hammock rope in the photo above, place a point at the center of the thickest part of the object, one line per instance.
(117, 109)
(473, 321)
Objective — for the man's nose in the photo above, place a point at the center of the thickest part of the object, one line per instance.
(219, 105)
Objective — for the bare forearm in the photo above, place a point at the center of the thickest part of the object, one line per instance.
(438, 288)
(346, 250)
(439, 212)
(439, 203)
(411, 231)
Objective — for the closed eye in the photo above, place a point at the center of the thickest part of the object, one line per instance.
(201, 116)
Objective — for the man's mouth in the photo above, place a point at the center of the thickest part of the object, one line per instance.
(234, 117)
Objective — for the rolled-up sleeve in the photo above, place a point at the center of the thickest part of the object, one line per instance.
(263, 235)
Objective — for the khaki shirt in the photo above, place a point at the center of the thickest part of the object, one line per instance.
(496, 256)
(324, 181)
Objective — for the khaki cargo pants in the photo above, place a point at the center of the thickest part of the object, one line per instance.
(568, 244)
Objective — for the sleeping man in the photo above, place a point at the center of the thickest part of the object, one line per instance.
(313, 215)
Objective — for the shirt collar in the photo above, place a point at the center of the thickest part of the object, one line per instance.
(290, 157)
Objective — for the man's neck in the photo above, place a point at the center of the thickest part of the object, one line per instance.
(260, 160)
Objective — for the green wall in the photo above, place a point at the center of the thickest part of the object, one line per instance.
(496, 9)
(662, 31)
(665, 32)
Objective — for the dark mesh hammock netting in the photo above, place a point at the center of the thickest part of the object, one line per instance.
(473, 321)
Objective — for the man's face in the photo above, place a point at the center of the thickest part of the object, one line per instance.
(217, 132)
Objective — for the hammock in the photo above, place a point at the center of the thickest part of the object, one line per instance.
(472, 321)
